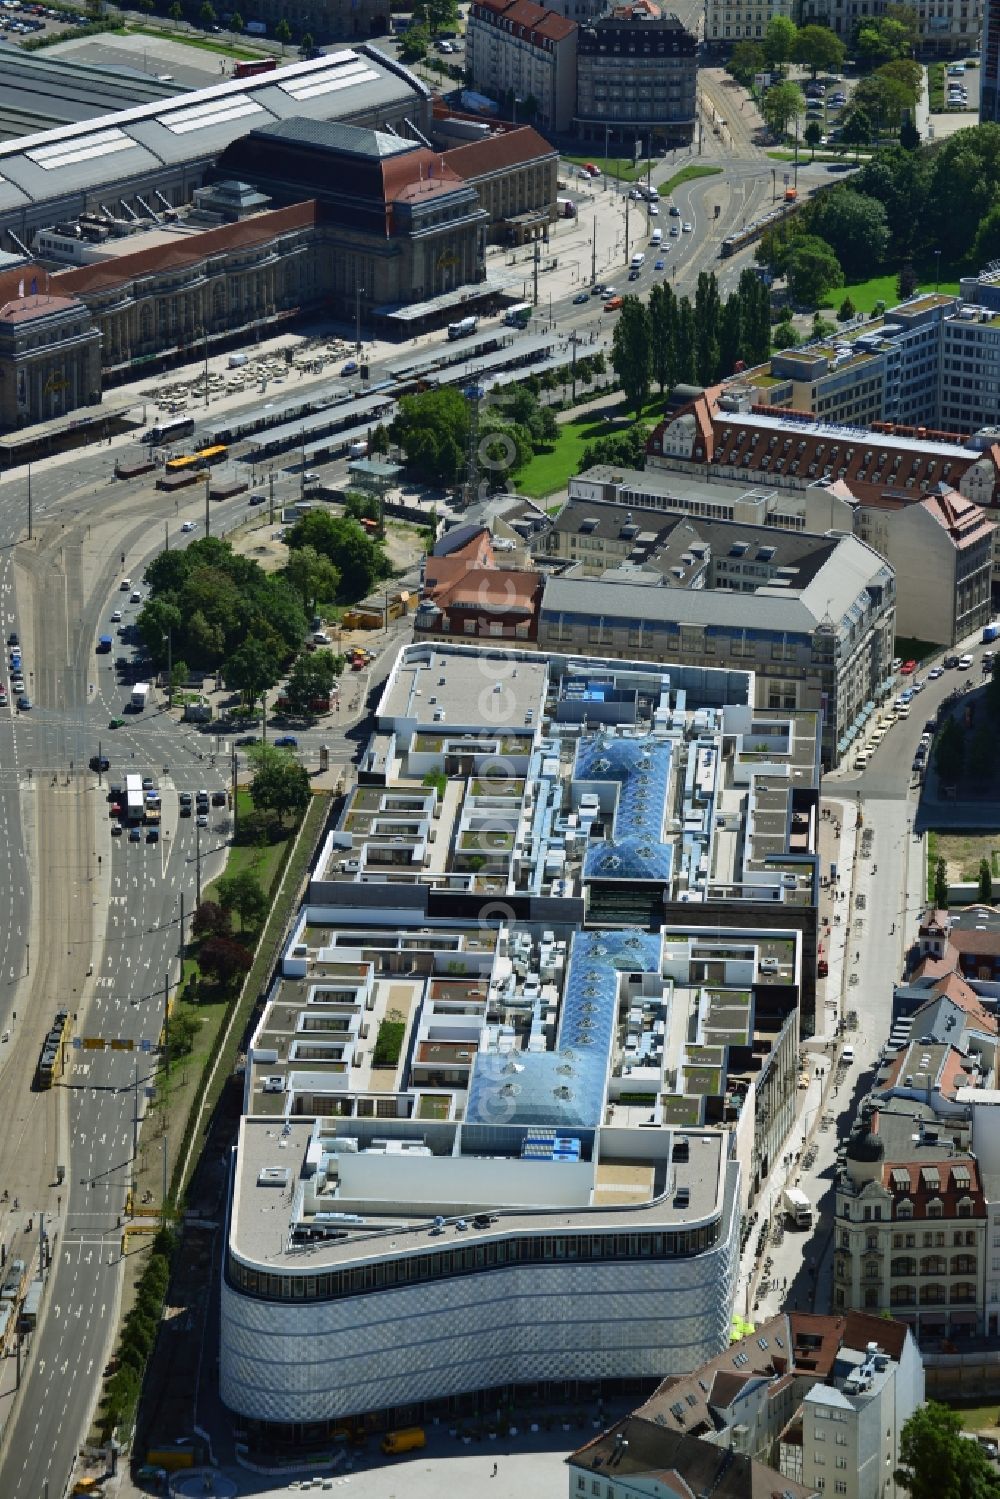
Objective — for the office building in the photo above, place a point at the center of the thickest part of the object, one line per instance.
(468, 590)
(515, 175)
(519, 52)
(541, 1003)
(637, 74)
(813, 617)
(989, 72)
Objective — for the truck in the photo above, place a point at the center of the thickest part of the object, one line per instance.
(798, 1208)
(990, 633)
(104, 644)
(566, 207)
(134, 800)
(140, 696)
(406, 1439)
(463, 327)
(251, 69)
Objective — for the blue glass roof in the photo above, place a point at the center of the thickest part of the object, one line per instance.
(641, 768)
(566, 1087)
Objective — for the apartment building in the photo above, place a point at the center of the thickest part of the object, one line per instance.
(468, 591)
(911, 1234)
(822, 1399)
(637, 73)
(812, 616)
(943, 536)
(518, 50)
(730, 21)
(499, 1098)
(989, 76)
(946, 28)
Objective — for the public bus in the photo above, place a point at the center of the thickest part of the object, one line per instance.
(52, 1057)
(206, 457)
(178, 426)
(182, 464)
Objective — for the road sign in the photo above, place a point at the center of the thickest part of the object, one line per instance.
(787, 178)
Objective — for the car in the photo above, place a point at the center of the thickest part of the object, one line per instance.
(153, 835)
(12, 638)
(814, 107)
(919, 684)
(658, 265)
(838, 98)
(100, 762)
(125, 585)
(286, 741)
(3, 697)
(115, 809)
(350, 367)
(688, 228)
(203, 819)
(934, 673)
(257, 499)
(908, 668)
(653, 209)
(202, 798)
(597, 291)
(17, 681)
(580, 298)
(964, 662)
(116, 830)
(950, 661)
(185, 809)
(187, 526)
(135, 835)
(634, 274)
(135, 597)
(309, 477)
(184, 797)
(246, 739)
(219, 798)
(674, 211)
(609, 291)
(116, 616)
(675, 231)
(148, 784)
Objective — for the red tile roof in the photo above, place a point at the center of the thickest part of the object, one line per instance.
(188, 250)
(525, 18)
(965, 522)
(498, 153)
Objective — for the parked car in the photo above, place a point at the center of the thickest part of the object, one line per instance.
(908, 668)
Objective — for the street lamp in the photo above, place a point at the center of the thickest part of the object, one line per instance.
(169, 638)
(359, 291)
(513, 114)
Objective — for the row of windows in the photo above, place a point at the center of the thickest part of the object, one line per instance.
(537, 1249)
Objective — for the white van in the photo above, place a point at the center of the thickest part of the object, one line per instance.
(638, 260)
(656, 238)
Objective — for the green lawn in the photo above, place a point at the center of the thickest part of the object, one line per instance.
(865, 294)
(187, 39)
(551, 470)
(622, 167)
(687, 174)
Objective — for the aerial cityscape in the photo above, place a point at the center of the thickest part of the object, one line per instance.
(500, 584)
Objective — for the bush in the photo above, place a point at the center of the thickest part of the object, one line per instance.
(847, 310)
(389, 1043)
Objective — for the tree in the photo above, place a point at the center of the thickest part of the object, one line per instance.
(358, 558)
(242, 893)
(785, 336)
(314, 577)
(899, 180)
(662, 335)
(312, 677)
(907, 73)
(963, 185)
(307, 43)
(857, 131)
(784, 103)
(236, 22)
(854, 226)
(949, 752)
(746, 60)
(906, 282)
(206, 15)
(982, 754)
(414, 44)
(630, 353)
(283, 33)
(432, 429)
(224, 959)
(813, 135)
(941, 885)
(436, 15)
(253, 669)
(210, 920)
(818, 47)
(280, 784)
(846, 311)
(985, 890)
(175, 12)
(813, 270)
(707, 319)
(755, 317)
(937, 1462)
(879, 39)
(779, 40)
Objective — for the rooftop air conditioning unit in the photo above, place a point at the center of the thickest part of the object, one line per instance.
(275, 1083)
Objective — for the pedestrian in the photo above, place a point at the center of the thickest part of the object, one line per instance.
(494, 1473)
